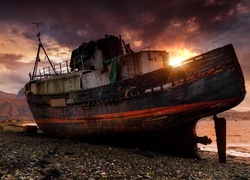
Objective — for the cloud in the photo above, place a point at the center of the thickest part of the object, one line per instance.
(12, 75)
(69, 21)
(9, 61)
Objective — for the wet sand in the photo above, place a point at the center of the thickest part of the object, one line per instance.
(37, 156)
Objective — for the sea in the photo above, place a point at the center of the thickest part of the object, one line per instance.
(237, 137)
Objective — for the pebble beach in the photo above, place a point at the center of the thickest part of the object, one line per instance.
(37, 156)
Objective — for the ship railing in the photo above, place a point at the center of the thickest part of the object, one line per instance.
(57, 69)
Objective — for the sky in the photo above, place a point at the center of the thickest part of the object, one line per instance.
(193, 26)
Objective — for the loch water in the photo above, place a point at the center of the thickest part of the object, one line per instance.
(237, 138)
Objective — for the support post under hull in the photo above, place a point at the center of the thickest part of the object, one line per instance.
(220, 129)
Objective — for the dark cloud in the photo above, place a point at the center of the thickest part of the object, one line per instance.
(10, 61)
(69, 22)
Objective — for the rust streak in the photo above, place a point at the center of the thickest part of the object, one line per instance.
(154, 112)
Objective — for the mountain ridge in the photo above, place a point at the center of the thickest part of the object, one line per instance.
(14, 107)
(5, 95)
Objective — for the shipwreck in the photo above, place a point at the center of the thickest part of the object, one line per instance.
(109, 91)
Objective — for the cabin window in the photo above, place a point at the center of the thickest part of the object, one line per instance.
(157, 88)
(166, 86)
(148, 90)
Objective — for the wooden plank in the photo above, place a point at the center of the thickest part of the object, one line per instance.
(30, 129)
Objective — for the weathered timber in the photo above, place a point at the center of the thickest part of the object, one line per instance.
(220, 129)
(30, 129)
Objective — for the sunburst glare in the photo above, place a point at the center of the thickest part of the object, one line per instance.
(181, 55)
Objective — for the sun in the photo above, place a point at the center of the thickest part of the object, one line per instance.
(181, 55)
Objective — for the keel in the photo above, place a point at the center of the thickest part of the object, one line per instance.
(182, 140)
(220, 129)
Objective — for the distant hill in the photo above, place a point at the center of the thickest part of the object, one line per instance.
(20, 94)
(232, 115)
(4, 95)
(235, 115)
(14, 107)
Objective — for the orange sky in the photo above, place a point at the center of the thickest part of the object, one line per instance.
(176, 26)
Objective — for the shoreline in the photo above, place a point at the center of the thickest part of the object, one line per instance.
(37, 156)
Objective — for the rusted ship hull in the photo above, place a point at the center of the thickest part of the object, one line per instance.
(150, 103)
(163, 106)
(141, 112)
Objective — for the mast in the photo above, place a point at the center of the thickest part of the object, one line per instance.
(40, 45)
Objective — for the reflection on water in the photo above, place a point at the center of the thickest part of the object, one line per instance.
(238, 136)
